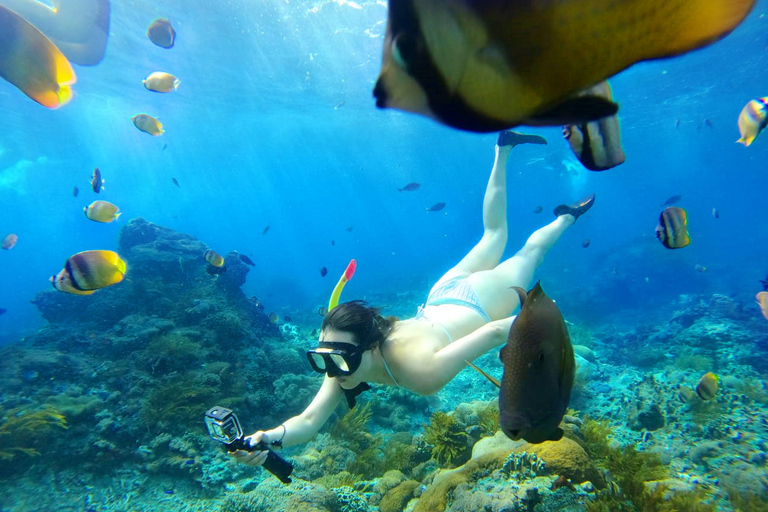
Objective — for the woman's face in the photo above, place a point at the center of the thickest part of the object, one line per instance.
(360, 375)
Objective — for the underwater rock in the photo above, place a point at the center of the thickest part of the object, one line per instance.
(648, 417)
(585, 352)
(498, 443)
(567, 458)
(398, 497)
(234, 277)
(389, 480)
(724, 306)
(157, 252)
(271, 494)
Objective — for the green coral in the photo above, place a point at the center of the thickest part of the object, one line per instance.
(630, 470)
(351, 427)
(447, 438)
(21, 430)
(696, 362)
(747, 502)
(340, 479)
(488, 419)
(172, 351)
(596, 438)
(178, 401)
(369, 462)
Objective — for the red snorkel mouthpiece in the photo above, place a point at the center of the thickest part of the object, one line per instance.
(350, 270)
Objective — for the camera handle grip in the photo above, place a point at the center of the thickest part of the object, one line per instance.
(275, 464)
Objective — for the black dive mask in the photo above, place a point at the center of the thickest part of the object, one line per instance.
(335, 358)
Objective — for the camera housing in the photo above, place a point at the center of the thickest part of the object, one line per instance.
(224, 426)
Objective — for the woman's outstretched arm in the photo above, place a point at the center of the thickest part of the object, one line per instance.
(298, 429)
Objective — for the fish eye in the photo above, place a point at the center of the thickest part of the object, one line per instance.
(403, 49)
(396, 55)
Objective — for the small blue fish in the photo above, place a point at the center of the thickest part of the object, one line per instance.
(189, 462)
(168, 491)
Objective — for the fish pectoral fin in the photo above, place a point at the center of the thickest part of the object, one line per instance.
(576, 110)
(493, 380)
(556, 435)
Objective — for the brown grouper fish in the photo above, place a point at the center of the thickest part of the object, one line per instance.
(539, 368)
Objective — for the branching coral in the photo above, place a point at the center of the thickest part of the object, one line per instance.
(172, 351)
(630, 470)
(20, 430)
(351, 427)
(448, 440)
(488, 419)
(178, 401)
(596, 438)
(340, 479)
(747, 502)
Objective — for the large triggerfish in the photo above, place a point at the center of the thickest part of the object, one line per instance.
(539, 369)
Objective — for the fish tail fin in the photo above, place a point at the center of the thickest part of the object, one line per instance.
(746, 140)
(493, 380)
(176, 84)
(120, 265)
(117, 215)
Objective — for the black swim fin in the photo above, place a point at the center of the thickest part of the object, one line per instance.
(511, 138)
(576, 209)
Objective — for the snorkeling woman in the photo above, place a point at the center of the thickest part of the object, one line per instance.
(467, 313)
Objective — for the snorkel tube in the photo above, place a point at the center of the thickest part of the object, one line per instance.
(346, 276)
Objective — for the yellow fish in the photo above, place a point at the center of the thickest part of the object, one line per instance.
(88, 271)
(161, 33)
(597, 144)
(708, 386)
(79, 28)
(148, 124)
(63, 283)
(214, 258)
(672, 230)
(487, 65)
(762, 301)
(102, 211)
(161, 82)
(31, 62)
(752, 119)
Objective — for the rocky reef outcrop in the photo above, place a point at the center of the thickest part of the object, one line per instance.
(133, 367)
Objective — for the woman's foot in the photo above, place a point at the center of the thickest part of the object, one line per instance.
(511, 138)
(576, 209)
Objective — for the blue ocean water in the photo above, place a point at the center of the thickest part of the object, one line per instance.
(254, 139)
(274, 125)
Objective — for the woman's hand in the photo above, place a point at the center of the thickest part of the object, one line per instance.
(257, 457)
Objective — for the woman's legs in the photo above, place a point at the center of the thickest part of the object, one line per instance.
(488, 251)
(494, 287)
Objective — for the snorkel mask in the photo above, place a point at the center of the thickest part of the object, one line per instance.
(335, 358)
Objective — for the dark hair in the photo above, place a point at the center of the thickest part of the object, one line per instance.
(366, 324)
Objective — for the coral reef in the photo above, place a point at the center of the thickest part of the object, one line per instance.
(448, 440)
(22, 431)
